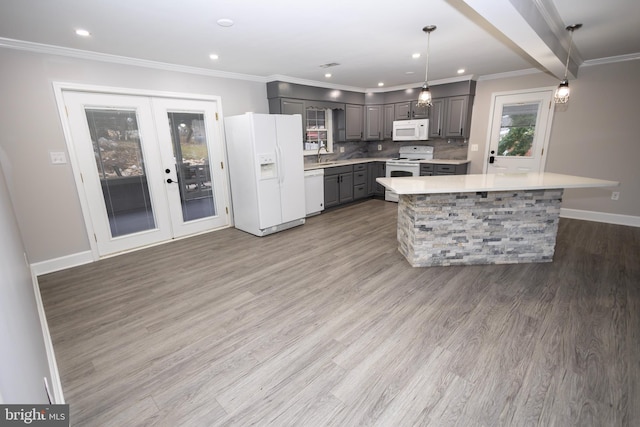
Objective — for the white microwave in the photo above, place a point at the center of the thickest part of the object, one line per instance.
(411, 130)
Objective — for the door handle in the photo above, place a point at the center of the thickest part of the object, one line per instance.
(170, 181)
(492, 158)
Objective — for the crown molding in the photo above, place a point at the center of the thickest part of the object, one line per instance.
(123, 60)
(315, 83)
(509, 74)
(612, 59)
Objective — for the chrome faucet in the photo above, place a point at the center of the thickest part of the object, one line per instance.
(320, 147)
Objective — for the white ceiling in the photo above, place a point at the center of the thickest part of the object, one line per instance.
(372, 41)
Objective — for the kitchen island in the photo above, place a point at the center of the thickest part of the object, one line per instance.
(482, 218)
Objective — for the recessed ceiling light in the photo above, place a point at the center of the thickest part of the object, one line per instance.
(83, 33)
(225, 22)
(461, 70)
(213, 56)
(380, 84)
(415, 56)
(327, 75)
(410, 72)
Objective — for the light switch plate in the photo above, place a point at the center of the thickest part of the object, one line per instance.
(58, 157)
(342, 149)
(474, 147)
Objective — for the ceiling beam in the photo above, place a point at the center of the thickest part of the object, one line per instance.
(530, 26)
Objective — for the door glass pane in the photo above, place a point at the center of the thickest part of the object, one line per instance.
(118, 154)
(517, 129)
(191, 152)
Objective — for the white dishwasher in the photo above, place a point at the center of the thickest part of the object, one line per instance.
(314, 191)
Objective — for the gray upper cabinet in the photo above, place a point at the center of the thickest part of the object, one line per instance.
(436, 118)
(389, 115)
(458, 117)
(418, 112)
(450, 117)
(373, 120)
(354, 122)
(292, 106)
(402, 110)
(410, 110)
(288, 106)
(370, 118)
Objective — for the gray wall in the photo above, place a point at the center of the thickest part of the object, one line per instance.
(23, 362)
(44, 195)
(595, 135)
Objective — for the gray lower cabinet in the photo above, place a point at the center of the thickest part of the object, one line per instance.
(426, 169)
(360, 189)
(375, 170)
(338, 185)
(429, 169)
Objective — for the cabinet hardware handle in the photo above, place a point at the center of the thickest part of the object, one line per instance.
(460, 131)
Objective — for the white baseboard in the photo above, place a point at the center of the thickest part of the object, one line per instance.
(57, 264)
(632, 221)
(54, 374)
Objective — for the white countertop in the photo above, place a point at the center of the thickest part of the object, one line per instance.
(310, 166)
(489, 182)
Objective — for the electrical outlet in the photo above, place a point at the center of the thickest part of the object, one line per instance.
(615, 195)
(342, 149)
(379, 147)
(58, 157)
(474, 147)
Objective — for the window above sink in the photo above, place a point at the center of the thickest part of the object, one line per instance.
(318, 131)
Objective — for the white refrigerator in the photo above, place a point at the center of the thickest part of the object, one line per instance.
(266, 170)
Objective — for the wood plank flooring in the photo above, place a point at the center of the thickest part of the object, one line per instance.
(328, 325)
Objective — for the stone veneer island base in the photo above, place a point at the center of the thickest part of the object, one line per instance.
(502, 227)
(481, 219)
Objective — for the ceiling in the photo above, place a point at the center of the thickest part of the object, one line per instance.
(372, 42)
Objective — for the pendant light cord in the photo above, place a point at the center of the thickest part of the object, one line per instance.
(426, 73)
(566, 67)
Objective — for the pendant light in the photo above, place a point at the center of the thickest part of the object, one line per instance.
(424, 99)
(562, 92)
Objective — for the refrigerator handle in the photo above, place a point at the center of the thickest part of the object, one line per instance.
(279, 160)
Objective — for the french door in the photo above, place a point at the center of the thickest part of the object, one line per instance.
(151, 167)
(519, 132)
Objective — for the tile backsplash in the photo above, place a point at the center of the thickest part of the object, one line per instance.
(453, 149)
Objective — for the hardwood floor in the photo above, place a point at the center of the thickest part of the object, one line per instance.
(328, 325)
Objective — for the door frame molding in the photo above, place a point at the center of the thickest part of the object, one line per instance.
(547, 136)
(60, 87)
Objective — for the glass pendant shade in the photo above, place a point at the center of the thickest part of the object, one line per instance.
(424, 99)
(562, 92)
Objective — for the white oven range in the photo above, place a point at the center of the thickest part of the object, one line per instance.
(406, 164)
